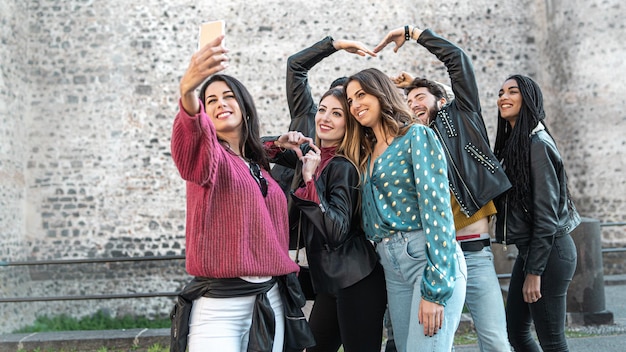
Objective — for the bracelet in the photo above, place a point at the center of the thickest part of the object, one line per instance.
(407, 36)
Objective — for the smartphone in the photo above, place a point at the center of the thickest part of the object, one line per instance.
(210, 31)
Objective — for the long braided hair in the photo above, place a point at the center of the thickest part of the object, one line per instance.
(512, 145)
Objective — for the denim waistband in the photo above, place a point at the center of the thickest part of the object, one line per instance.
(400, 235)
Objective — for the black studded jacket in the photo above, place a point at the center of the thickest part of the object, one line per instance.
(474, 173)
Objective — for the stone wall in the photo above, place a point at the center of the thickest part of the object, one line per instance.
(13, 100)
(583, 58)
(89, 90)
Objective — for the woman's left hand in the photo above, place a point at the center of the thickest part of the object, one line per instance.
(310, 162)
(532, 288)
(431, 316)
(292, 140)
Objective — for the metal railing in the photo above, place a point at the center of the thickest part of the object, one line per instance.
(604, 250)
(158, 258)
(89, 261)
(613, 249)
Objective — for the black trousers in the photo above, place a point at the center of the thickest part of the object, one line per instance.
(548, 313)
(352, 317)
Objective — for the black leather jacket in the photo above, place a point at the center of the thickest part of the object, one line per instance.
(302, 108)
(474, 173)
(338, 253)
(547, 212)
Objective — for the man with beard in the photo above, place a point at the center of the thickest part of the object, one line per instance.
(474, 173)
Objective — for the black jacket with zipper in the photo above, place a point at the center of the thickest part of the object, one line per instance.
(545, 214)
(338, 253)
(302, 108)
(475, 175)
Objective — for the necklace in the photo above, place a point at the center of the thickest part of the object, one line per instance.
(232, 151)
(379, 149)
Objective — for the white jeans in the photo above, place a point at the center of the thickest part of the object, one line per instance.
(223, 324)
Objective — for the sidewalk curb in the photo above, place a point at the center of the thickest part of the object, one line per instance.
(94, 340)
(614, 280)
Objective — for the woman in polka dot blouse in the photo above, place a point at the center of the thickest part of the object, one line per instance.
(406, 211)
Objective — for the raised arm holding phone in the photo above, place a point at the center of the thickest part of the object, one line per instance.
(244, 295)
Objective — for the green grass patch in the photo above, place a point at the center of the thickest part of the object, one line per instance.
(158, 348)
(471, 338)
(575, 334)
(465, 339)
(99, 321)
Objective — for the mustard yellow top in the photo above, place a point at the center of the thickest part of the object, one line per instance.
(461, 220)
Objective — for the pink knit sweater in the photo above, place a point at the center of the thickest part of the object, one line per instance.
(231, 229)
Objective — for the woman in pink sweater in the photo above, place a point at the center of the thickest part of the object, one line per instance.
(237, 227)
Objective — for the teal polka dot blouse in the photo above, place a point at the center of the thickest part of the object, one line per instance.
(408, 190)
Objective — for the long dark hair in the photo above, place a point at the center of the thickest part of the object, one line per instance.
(396, 117)
(250, 142)
(513, 144)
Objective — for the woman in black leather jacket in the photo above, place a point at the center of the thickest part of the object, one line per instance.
(302, 108)
(347, 278)
(536, 215)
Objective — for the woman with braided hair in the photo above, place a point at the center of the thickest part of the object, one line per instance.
(536, 215)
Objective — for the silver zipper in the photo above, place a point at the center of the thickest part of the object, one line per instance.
(506, 213)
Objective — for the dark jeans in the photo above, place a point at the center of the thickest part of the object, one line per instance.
(353, 317)
(548, 313)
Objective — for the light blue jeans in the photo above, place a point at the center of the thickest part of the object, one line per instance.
(484, 301)
(403, 258)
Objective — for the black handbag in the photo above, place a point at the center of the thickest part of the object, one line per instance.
(304, 277)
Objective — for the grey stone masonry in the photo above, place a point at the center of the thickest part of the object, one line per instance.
(89, 91)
